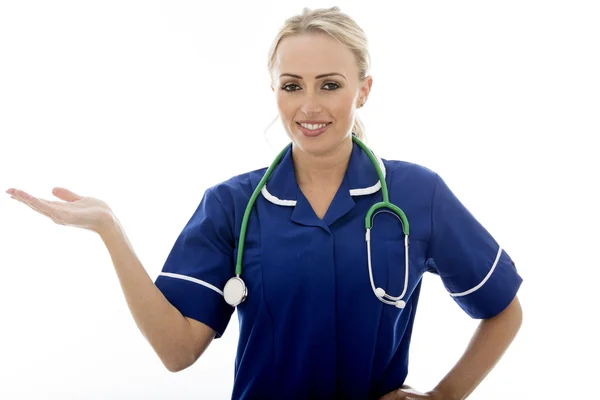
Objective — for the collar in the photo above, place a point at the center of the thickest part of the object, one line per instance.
(360, 178)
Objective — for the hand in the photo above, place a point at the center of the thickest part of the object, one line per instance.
(81, 212)
(408, 393)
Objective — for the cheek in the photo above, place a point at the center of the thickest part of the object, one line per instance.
(342, 109)
(286, 108)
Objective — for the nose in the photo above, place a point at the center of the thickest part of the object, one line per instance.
(311, 105)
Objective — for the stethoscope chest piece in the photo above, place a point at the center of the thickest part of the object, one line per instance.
(235, 291)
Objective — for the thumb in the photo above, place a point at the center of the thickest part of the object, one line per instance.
(65, 194)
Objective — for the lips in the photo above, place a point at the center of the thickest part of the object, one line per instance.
(312, 132)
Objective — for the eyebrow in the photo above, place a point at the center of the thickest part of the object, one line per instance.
(317, 77)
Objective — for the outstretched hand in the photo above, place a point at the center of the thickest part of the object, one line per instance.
(78, 211)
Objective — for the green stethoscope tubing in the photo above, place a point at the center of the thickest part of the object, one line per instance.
(368, 218)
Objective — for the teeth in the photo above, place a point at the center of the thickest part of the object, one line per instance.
(313, 127)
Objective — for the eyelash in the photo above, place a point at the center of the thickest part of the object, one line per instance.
(284, 87)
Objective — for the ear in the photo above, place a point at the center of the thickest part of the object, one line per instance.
(364, 90)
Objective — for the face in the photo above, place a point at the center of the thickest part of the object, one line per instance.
(317, 87)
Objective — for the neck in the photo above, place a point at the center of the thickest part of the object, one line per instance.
(323, 169)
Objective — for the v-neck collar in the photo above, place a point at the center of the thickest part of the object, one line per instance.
(360, 179)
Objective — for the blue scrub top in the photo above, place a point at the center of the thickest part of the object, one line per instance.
(311, 327)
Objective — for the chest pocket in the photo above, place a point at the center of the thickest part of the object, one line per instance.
(388, 256)
(396, 267)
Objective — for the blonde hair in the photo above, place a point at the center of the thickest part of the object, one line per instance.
(336, 24)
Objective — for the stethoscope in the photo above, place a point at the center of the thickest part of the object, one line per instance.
(235, 291)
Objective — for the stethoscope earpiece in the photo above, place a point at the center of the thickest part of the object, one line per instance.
(380, 293)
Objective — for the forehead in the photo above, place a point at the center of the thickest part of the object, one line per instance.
(313, 54)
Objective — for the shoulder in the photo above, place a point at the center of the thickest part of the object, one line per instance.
(410, 175)
(237, 188)
(224, 203)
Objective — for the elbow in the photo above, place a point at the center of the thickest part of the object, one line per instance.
(177, 362)
(176, 365)
(182, 352)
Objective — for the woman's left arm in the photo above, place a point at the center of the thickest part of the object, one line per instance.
(490, 341)
(482, 279)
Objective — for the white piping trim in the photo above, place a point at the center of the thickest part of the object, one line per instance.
(365, 191)
(484, 279)
(189, 278)
(275, 200)
(353, 192)
(370, 189)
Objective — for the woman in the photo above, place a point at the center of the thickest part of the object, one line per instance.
(322, 315)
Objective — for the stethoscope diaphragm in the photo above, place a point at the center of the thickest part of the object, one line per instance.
(235, 291)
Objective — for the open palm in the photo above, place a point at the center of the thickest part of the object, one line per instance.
(74, 210)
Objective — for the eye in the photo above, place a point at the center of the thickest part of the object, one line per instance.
(292, 87)
(288, 86)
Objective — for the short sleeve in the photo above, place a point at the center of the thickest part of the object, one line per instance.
(478, 273)
(199, 265)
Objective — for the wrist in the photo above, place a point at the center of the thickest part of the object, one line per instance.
(108, 226)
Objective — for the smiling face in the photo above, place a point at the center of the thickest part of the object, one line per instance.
(317, 87)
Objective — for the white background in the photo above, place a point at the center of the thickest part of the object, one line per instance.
(145, 104)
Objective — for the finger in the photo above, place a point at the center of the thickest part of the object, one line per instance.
(47, 214)
(411, 394)
(20, 194)
(52, 217)
(65, 194)
(412, 391)
(35, 203)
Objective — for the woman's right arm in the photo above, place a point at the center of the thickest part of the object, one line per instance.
(178, 341)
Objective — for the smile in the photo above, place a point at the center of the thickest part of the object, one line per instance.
(312, 130)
